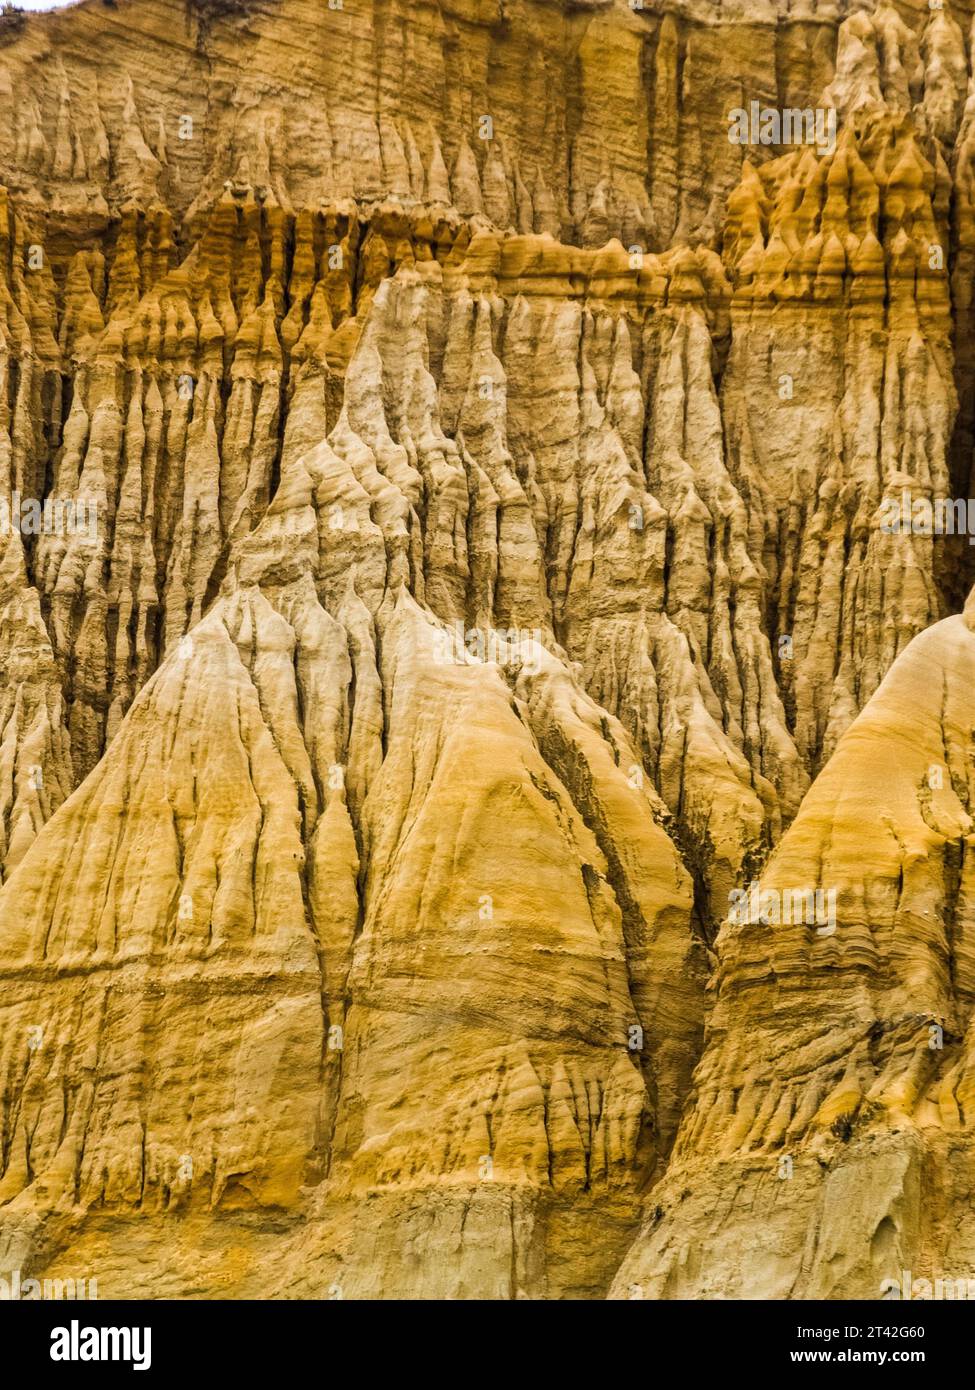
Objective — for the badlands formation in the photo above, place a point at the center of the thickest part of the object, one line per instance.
(442, 572)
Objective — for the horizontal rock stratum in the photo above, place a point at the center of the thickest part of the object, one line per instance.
(485, 784)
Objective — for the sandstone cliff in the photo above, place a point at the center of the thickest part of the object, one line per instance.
(480, 582)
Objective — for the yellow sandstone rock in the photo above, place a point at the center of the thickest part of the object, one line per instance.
(485, 790)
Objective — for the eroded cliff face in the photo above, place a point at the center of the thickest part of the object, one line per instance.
(460, 575)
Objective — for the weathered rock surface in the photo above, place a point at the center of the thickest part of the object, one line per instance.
(481, 581)
(843, 1060)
